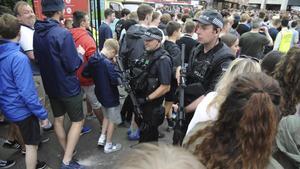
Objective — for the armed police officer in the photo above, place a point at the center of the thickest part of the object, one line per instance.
(207, 62)
(152, 77)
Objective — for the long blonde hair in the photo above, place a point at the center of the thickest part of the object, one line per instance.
(149, 156)
(237, 67)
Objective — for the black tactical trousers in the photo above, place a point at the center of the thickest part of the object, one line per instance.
(151, 133)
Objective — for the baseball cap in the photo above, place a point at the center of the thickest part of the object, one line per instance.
(211, 17)
(153, 34)
(52, 5)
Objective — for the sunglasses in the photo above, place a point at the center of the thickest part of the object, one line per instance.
(249, 57)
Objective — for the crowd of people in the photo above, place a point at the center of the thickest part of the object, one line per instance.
(240, 77)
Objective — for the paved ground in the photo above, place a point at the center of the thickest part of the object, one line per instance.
(87, 151)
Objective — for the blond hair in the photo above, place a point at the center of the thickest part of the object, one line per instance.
(149, 156)
(111, 44)
(245, 17)
(19, 5)
(237, 67)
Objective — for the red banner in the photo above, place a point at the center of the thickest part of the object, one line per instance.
(71, 6)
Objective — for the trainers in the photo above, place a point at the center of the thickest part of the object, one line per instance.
(161, 135)
(11, 144)
(101, 141)
(112, 148)
(72, 165)
(128, 131)
(134, 136)
(122, 96)
(85, 130)
(48, 129)
(23, 152)
(90, 117)
(7, 163)
(41, 165)
(44, 139)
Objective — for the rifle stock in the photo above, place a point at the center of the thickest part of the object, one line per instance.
(125, 78)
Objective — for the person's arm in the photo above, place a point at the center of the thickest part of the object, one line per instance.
(270, 40)
(192, 107)
(86, 72)
(112, 73)
(164, 77)
(69, 56)
(296, 38)
(160, 91)
(30, 54)
(26, 89)
(176, 53)
(277, 41)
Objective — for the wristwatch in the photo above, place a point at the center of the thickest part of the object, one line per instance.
(147, 98)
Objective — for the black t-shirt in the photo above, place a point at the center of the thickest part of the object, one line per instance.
(162, 68)
(242, 28)
(190, 43)
(174, 51)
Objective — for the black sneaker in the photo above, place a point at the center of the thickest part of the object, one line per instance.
(7, 164)
(49, 129)
(170, 124)
(41, 165)
(11, 144)
(44, 138)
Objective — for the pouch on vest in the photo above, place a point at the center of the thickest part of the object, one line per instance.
(142, 81)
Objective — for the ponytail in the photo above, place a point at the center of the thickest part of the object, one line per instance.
(257, 130)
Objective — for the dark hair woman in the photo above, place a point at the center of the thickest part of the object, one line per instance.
(287, 74)
(243, 135)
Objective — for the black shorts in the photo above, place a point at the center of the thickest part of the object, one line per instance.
(30, 130)
(70, 105)
(171, 95)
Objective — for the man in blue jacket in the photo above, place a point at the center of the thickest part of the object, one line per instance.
(18, 97)
(58, 58)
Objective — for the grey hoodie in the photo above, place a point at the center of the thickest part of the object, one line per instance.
(132, 46)
(288, 142)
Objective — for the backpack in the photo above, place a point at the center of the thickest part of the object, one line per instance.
(132, 49)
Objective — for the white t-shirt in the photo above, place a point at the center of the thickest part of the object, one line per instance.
(202, 114)
(26, 40)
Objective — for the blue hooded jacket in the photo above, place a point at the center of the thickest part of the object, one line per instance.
(57, 57)
(105, 76)
(18, 96)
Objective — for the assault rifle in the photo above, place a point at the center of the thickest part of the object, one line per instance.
(182, 85)
(125, 79)
(178, 130)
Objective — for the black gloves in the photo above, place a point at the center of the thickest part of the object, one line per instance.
(142, 100)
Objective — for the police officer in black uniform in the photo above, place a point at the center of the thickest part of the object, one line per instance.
(207, 62)
(151, 80)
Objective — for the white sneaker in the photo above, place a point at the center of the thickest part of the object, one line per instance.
(112, 148)
(101, 141)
